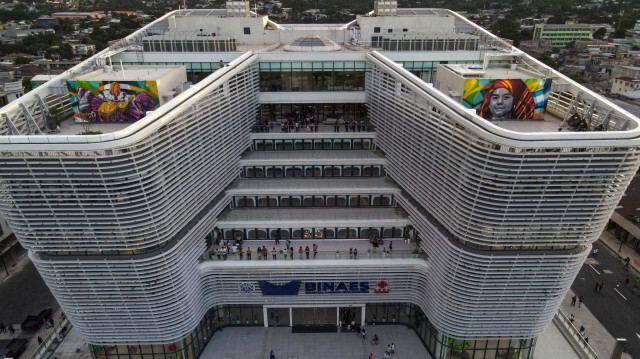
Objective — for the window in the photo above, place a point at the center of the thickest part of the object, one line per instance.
(376, 29)
(390, 30)
(247, 31)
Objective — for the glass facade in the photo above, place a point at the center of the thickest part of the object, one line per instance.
(312, 76)
(312, 171)
(439, 345)
(320, 112)
(354, 200)
(313, 233)
(313, 144)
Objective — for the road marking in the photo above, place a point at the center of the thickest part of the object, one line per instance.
(594, 269)
(625, 298)
(638, 335)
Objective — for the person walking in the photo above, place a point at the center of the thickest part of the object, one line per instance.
(272, 355)
(580, 300)
(315, 250)
(626, 280)
(571, 318)
(601, 286)
(291, 253)
(393, 348)
(300, 251)
(306, 251)
(288, 243)
(273, 253)
(582, 330)
(264, 252)
(221, 63)
(573, 301)
(596, 286)
(370, 355)
(364, 334)
(39, 340)
(248, 253)
(277, 238)
(355, 253)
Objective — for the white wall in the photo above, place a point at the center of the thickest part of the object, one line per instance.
(168, 82)
(413, 24)
(224, 27)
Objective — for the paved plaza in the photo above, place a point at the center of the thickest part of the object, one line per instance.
(252, 342)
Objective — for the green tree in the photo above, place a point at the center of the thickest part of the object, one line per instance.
(23, 60)
(507, 28)
(26, 84)
(548, 61)
(599, 34)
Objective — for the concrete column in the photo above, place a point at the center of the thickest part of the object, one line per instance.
(338, 316)
(265, 317)
(290, 317)
(362, 321)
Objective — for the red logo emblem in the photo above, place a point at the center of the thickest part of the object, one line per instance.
(382, 287)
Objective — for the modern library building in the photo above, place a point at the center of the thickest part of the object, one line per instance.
(216, 168)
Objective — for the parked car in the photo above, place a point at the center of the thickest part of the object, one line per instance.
(14, 348)
(32, 323)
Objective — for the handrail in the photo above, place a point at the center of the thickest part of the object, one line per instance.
(584, 350)
(51, 338)
(212, 255)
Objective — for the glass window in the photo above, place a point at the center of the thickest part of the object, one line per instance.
(251, 234)
(387, 232)
(364, 201)
(262, 233)
(353, 233)
(353, 201)
(318, 201)
(341, 201)
(263, 201)
(329, 233)
(247, 31)
(331, 201)
(319, 233)
(296, 201)
(337, 144)
(307, 233)
(249, 202)
(307, 201)
(285, 201)
(249, 172)
(297, 233)
(259, 171)
(342, 233)
(364, 232)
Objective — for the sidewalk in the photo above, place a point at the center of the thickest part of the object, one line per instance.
(609, 239)
(599, 338)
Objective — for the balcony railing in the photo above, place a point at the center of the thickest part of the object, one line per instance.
(320, 255)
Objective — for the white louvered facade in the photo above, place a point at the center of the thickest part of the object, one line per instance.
(116, 223)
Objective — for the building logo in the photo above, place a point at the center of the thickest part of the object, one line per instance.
(291, 288)
(336, 287)
(382, 287)
(246, 288)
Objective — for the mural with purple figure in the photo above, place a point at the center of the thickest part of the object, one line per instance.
(103, 101)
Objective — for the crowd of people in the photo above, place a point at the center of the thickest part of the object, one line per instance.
(304, 121)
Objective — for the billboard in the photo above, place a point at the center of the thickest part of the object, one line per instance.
(512, 99)
(104, 101)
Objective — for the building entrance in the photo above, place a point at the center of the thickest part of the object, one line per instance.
(315, 317)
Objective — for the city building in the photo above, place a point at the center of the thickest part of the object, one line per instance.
(561, 34)
(47, 21)
(489, 173)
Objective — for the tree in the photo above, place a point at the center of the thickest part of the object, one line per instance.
(23, 60)
(599, 34)
(26, 84)
(557, 19)
(507, 28)
(548, 61)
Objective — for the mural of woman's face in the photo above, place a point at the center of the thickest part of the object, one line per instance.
(115, 89)
(501, 103)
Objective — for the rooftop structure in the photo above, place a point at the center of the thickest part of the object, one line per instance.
(399, 138)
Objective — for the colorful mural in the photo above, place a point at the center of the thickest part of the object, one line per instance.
(507, 99)
(113, 101)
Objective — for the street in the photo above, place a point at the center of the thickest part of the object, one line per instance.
(616, 308)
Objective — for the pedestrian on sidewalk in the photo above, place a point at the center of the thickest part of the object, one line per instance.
(582, 330)
(272, 355)
(573, 301)
(306, 251)
(288, 243)
(601, 286)
(273, 252)
(586, 339)
(595, 251)
(39, 340)
(596, 286)
(571, 318)
(580, 300)
(626, 280)
(364, 334)
(315, 250)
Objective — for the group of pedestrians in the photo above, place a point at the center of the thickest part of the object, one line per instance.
(9, 328)
(580, 300)
(355, 125)
(263, 253)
